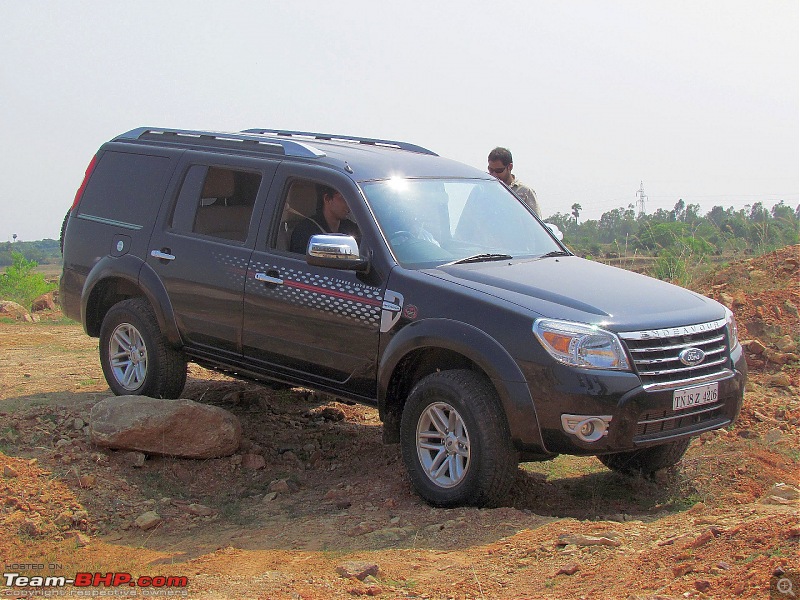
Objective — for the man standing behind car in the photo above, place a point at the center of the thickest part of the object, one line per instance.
(500, 165)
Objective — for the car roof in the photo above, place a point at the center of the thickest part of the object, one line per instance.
(364, 159)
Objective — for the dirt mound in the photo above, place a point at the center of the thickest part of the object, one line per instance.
(764, 292)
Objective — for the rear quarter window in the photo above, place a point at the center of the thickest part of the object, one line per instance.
(125, 189)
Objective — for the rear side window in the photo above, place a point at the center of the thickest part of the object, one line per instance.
(125, 189)
(216, 201)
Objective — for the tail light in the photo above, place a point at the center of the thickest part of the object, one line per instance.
(86, 177)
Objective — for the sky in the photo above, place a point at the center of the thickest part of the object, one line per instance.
(693, 99)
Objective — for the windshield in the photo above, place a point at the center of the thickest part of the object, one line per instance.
(430, 222)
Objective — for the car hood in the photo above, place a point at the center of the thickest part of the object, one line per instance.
(575, 289)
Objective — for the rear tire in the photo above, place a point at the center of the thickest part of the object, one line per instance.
(455, 440)
(63, 231)
(647, 460)
(135, 356)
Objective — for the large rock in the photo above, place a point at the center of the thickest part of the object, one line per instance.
(148, 520)
(168, 427)
(606, 539)
(44, 302)
(358, 569)
(786, 344)
(14, 311)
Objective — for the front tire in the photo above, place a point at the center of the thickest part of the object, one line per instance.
(648, 460)
(455, 440)
(135, 356)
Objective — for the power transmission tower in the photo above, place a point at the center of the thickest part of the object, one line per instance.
(641, 198)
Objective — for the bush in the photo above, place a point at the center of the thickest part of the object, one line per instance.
(20, 284)
(671, 266)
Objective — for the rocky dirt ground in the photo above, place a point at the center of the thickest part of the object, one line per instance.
(314, 506)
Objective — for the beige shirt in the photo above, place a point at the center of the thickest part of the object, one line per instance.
(526, 194)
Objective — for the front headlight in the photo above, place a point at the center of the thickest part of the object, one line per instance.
(733, 330)
(580, 345)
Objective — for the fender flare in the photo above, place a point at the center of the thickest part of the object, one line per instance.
(480, 348)
(139, 274)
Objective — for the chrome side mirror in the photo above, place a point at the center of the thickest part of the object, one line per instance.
(335, 251)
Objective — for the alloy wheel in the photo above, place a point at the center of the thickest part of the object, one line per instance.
(443, 445)
(128, 356)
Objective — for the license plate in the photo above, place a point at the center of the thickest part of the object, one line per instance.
(695, 396)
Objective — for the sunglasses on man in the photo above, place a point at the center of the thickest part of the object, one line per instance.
(497, 171)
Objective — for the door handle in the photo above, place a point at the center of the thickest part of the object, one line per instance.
(268, 278)
(162, 255)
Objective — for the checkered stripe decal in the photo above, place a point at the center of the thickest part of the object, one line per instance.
(327, 294)
(234, 268)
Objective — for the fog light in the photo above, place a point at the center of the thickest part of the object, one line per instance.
(586, 428)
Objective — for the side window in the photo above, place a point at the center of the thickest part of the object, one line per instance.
(300, 205)
(310, 208)
(216, 201)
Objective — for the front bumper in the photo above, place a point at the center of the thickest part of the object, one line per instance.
(636, 417)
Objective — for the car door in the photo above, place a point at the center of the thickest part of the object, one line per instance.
(203, 245)
(309, 323)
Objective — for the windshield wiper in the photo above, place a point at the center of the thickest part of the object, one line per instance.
(479, 258)
(556, 253)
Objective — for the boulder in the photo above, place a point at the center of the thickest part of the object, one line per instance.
(44, 302)
(182, 428)
(135, 459)
(605, 539)
(778, 358)
(779, 380)
(786, 344)
(14, 311)
(254, 462)
(200, 510)
(148, 520)
(759, 328)
(787, 492)
(569, 569)
(358, 569)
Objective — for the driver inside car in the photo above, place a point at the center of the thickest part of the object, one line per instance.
(331, 217)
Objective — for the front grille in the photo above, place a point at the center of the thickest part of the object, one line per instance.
(660, 423)
(656, 359)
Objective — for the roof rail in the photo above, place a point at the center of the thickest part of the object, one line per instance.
(346, 138)
(231, 140)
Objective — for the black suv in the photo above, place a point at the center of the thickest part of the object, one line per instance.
(446, 303)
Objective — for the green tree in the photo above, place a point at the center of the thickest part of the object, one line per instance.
(690, 235)
(576, 211)
(679, 212)
(42, 251)
(692, 214)
(565, 223)
(787, 224)
(20, 284)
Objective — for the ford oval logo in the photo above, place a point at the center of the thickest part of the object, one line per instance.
(692, 356)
